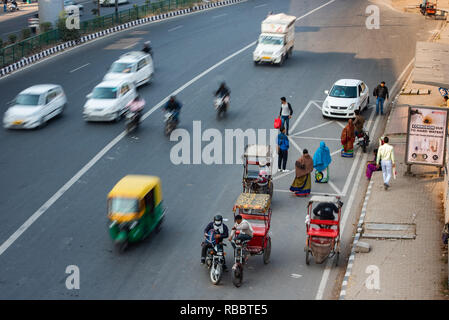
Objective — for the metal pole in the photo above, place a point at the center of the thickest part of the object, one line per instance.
(98, 7)
(116, 7)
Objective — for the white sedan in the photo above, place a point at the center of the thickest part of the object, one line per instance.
(111, 2)
(346, 96)
(135, 66)
(34, 106)
(108, 100)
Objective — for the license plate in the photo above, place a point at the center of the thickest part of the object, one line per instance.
(18, 122)
(266, 58)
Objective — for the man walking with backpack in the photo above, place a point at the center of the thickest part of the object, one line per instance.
(285, 113)
(283, 145)
(381, 93)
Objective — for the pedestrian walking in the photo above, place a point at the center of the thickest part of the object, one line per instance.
(381, 93)
(302, 183)
(385, 155)
(285, 113)
(321, 160)
(283, 145)
(347, 140)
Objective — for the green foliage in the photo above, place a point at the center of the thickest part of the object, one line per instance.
(67, 34)
(12, 38)
(95, 11)
(45, 26)
(1, 43)
(26, 33)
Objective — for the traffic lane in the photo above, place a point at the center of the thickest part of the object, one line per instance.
(191, 218)
(89, 137)
(259, 104)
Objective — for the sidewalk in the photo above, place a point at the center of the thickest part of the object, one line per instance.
(24, 9)
(415, 267)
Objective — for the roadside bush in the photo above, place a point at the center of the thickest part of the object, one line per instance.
(45, 26)
(67, 34)
(26, 33)
(95, 11)
(12, 38)
(1, 43)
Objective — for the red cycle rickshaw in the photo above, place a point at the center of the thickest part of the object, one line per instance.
(256, 209)
(323, 236)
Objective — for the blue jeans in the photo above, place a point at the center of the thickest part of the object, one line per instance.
(380, 101)
(285, 120)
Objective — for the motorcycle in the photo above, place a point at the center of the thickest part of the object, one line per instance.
(221, 104)
(215, 262)
(363, 140)
(13, 8)
(170, 122)
(133, 114)
(240, 258)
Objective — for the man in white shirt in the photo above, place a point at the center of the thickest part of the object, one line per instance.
(285, 113)
(385, 155)
(246, 231)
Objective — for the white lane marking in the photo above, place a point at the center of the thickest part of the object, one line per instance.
(220, 15)
(283, 175)
(295, 275)
(80, 67)
(175, 28)
(314, 138)
(335, 152)
(260, 5)
(334, 187)
(300, 116)
(131, 45)
(326, 273)
(316, 9)
(340, 124)
(5, 245)
(312, 128)
(317, 105)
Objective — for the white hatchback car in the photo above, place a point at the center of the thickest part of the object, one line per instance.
(135, 66)
(345, 96)
(34, 106)
(111, 2)
(108, 100)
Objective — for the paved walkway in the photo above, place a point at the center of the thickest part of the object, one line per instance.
(24, 9)
(403, 269)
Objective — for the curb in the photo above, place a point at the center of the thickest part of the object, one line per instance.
(354, 243)
(38, 56)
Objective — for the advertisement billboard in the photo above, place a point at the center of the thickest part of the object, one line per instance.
(426, 136)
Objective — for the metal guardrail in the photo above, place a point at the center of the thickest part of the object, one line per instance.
(14, 52)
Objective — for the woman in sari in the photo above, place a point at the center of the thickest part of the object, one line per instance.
(302, 184)
(321, 160)
(347, 140)
(371, 166)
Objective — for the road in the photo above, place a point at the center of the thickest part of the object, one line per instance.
(330, 43)
(15, 25)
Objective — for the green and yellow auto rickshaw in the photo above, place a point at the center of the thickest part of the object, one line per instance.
(135, 209)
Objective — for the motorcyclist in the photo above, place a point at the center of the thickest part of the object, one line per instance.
(14, 5)
(224, 92)
(325, 210)
(173, 105)
(221, 232)
(137, 106)
(147, 48)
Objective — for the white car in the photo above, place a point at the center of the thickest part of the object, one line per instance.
(135, 66)
(108, 100)
(345, 96)
(111, 2)
(68, 3)
(34, 106)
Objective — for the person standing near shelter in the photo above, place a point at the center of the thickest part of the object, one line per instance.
(381, 93)
(283, 145)
(302, 184)
(321, 160)
(285, 113)
(385, 155)
(347, 140)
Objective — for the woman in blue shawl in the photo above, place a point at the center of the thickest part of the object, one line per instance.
(321, 160)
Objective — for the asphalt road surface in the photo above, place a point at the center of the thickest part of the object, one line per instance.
(330, 43)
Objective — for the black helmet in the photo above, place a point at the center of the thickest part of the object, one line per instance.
(218, 220)
(223, 84)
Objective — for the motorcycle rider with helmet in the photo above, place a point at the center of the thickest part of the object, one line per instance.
(221, 232)
(147, 48)
(173, 105)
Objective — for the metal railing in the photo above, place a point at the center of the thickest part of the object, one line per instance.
(14, 52)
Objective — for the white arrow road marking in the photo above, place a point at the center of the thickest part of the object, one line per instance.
(295, 275)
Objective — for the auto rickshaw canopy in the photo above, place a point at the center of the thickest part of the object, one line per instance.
(137, 186)
(255, 201)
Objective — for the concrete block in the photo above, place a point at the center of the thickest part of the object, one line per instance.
(362, 247)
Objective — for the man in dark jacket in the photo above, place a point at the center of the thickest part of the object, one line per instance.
(220, 232)
(381, 92)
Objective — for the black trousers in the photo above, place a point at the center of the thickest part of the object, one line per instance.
(282, 159)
